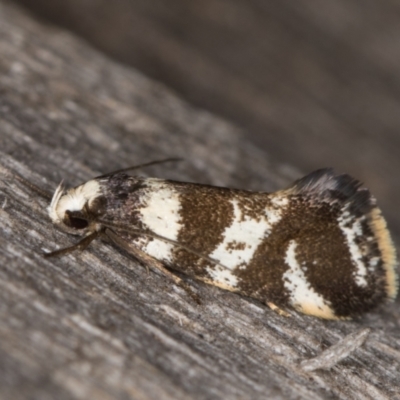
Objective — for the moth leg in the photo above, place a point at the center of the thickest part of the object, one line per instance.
(150, 261)
(81, 245)
(277, 309)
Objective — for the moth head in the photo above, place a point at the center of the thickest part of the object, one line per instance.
(77, 210)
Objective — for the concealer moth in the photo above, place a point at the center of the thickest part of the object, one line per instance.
(321, 246)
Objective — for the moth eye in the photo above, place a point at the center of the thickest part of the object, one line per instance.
(78, 223)
(75, 222)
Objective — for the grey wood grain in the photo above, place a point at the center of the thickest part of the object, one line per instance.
(96, 324)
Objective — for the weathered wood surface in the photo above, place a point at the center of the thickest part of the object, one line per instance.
(316, 84)
(96, 325)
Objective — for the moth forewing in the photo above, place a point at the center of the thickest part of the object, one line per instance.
(321, 246)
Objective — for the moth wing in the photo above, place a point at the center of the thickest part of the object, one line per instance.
(356, 204)
(325, 185)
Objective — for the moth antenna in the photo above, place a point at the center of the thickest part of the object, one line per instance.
(165, 160)
(44, 193)
(155, 236)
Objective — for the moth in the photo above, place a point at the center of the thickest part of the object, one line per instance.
(320, 246)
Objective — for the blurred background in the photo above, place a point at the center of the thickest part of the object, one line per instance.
(314, 84)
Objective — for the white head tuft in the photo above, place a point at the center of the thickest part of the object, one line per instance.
(72, 200)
